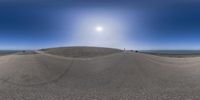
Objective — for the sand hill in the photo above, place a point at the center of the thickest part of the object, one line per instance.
(81, 52)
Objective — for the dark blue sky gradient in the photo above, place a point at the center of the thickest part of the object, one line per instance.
(149, 25)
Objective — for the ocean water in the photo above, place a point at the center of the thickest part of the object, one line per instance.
(2, 52)
(172, 51)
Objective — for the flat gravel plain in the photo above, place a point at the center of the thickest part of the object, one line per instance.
(119, 76)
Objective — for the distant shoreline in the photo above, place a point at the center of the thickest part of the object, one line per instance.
(173, 53)
(7, 52)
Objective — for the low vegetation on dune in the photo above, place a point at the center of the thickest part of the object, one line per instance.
(81, 52)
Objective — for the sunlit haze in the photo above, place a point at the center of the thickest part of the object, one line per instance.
(99, 29)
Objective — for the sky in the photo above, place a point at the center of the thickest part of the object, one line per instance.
(131, 24)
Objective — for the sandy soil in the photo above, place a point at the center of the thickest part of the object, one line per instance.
(120, 76)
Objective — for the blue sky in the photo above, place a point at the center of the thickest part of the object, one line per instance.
(126, 23)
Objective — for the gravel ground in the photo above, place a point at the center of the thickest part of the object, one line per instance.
(120, 76)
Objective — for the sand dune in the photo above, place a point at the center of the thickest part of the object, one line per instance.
(120, 76)
(82, 52)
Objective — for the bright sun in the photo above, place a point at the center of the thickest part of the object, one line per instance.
(99, 29)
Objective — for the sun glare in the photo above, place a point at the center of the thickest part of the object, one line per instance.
(99, 29)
